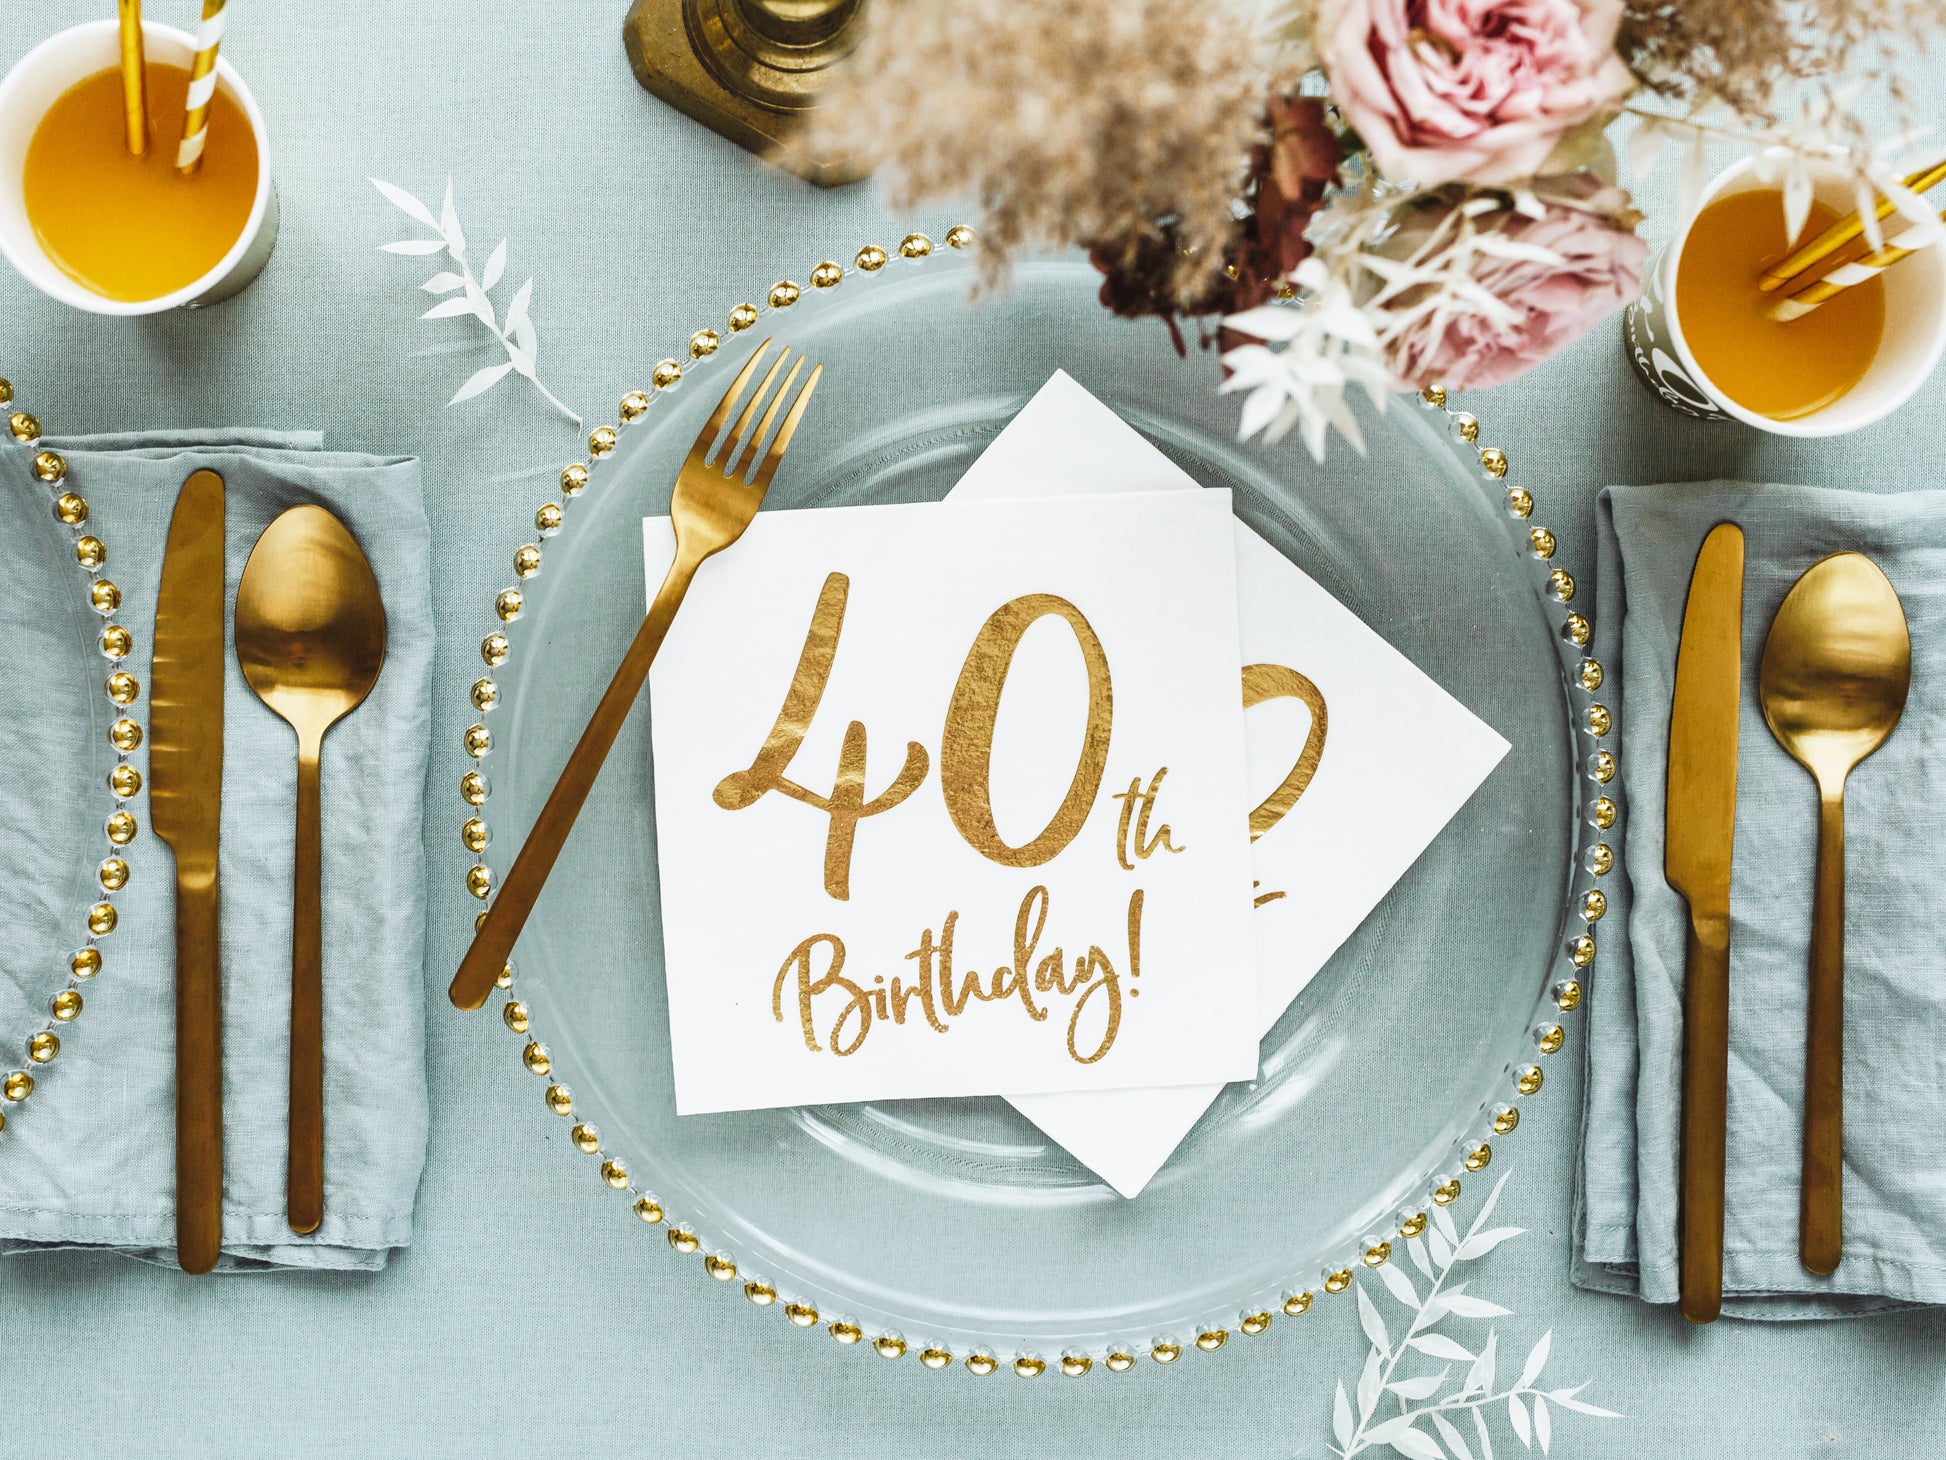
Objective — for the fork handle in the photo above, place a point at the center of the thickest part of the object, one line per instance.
(494, 943)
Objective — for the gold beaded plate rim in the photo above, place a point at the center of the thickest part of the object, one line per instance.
(1593, 861)
(47, 474)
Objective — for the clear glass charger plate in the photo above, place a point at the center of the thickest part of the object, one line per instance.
(954, 1230)
(69, 734)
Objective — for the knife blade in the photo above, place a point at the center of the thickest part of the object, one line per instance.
(1701, 818)
(185, 807)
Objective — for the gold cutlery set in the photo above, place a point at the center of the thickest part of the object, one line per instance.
(1837, 663)
(310, 637)
(711, 506)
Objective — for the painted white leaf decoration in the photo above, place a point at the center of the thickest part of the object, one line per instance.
(1492, 1201)
(482, 306)
(399, 198)
(1416, 1249)
(1442, 1250)
(1467, 1307)
(449, 225)
(1480, 1376)
(519, 338)
(1543, 1426)
(1341, 1421)
(1368, 1388)
(1480, 1429)
(1797, 201)
(1439, 1346)
(1536, 1361)
(482, 380)
(1449, 1432)
(517, 308)
(1442, 1221)
(1416, 1445)
(1566, 1399)
(1481, 1243)
(1385, 1432)
(1399, 1285)
(1369, 1320)
(1645, 147)
(1517, 1417)
(1423, 1387)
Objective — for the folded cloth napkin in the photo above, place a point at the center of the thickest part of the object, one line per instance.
(89, 1161)
(1895, 999)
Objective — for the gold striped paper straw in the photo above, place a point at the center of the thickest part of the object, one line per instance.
(202, 86)
(1845, 275)
(135, 83)
(1786, 270)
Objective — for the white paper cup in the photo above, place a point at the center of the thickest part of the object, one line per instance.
(1915, 326)
(34, 85)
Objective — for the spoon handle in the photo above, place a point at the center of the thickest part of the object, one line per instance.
(1821, 1218)
(304, 1197)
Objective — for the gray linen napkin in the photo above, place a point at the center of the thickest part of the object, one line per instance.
(89, 1162)
(1895, 999)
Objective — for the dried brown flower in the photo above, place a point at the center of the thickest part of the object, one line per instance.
(1125, 127)
(1749, 54)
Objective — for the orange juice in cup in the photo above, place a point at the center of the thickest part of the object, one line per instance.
(96, 227)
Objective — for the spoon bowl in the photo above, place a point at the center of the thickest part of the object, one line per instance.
(310, 635)
(1836, 668)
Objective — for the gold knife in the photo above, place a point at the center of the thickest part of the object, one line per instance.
(185, 804)
(1701, 827)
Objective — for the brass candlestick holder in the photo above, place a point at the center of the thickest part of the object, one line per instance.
(749, 69)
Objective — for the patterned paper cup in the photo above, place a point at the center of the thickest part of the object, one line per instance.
(1915, 328)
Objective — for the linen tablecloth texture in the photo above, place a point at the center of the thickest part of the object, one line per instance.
(89, 1161)
(1625, 1237)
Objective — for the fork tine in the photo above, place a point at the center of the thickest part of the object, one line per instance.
(756, 437)
(739, 433)
(706, 439)
(785, 431)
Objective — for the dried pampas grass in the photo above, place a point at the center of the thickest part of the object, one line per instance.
(1126, 127)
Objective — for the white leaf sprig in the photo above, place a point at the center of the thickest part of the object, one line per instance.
(1424, 1426)
(468, 296)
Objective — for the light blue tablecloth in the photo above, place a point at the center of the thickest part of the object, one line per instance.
(524, 1317)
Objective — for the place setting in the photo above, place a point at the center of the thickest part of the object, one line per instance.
(1042, 795)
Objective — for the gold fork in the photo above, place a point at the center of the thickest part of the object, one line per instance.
(711, 507)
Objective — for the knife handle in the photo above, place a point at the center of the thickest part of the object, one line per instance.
(1705, 1101)
(1821, 1211)
(199, 1073)
(304, 1194)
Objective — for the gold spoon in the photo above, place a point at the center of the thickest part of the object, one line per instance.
(1836, 667)
(310, 635)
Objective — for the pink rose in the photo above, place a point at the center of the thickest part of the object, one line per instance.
(1476, 89)
(1592, 266)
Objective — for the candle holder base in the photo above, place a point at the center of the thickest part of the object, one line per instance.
(750, 70)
